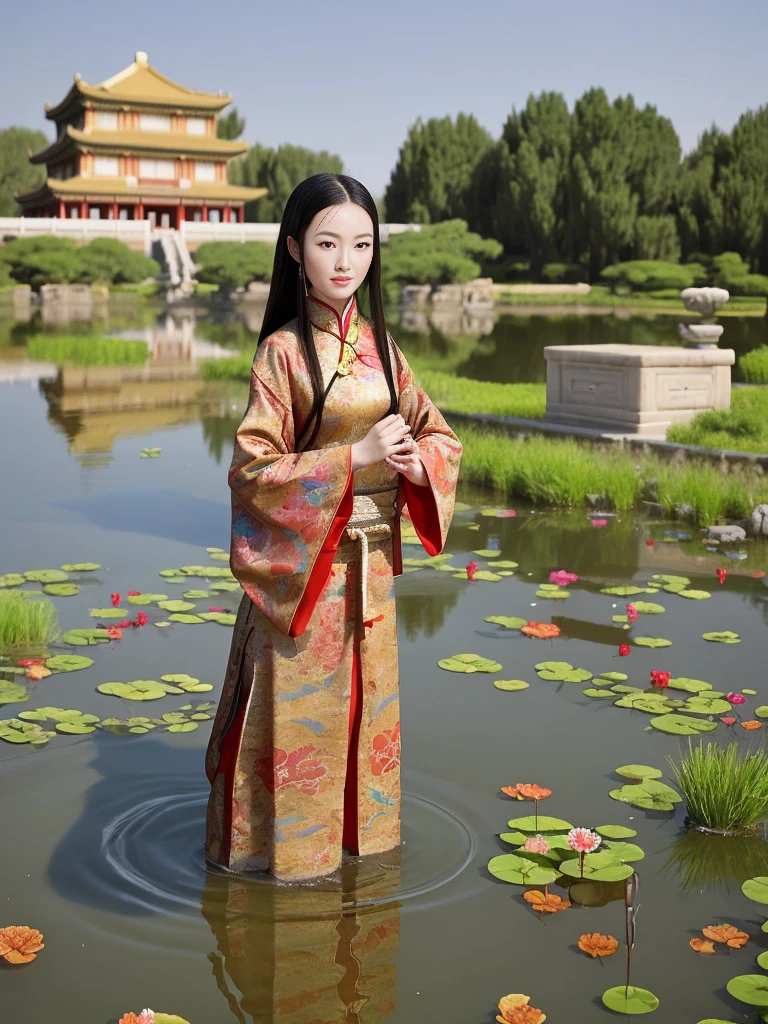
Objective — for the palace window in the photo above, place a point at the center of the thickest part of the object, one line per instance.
(106, 120)
(214, 216)
(106, 166)
(164, 169)
(196, 125)
(205, 170)
(155, 122)
(94, 213)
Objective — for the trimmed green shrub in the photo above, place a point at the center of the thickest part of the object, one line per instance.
(231, 265)
(653, 275)
(754, 366)
(85, 351)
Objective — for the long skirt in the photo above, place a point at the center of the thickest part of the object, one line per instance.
(304, 756)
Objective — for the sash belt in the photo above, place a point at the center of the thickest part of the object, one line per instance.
(369, 519)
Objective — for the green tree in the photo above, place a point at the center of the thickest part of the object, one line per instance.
(280, 171)
(110, 261)
(42, 260)
(230, 126)
(435, 169)
(234, 264)
(17, 174)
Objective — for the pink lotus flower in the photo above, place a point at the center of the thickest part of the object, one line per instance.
(145, 1017)
(562, 578)
(632, 613)
(599, 522)
(215, 608)
(115, 632)
(471, 570)
(506, 513)
(736, 698)
(583, 840)
(536, 844)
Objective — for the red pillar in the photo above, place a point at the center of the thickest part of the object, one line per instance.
(62, 211)
(139, 211)
(115, 211)
(180, 216)
(83, 210)
(241, 214)
(205, 213)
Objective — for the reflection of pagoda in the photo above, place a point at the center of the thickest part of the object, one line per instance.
(138, 146)
(95, 405)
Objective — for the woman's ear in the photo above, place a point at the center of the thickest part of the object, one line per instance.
(293, 249)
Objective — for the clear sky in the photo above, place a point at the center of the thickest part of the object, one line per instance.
(352, 77)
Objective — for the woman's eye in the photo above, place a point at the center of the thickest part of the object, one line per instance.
(326, 242)
(366, 244)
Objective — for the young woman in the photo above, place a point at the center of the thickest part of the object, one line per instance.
(337, 442)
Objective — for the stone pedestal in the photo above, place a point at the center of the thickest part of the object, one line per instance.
(634, 389)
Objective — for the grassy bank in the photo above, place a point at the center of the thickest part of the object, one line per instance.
(88, 351)
(667, 301)
(754, 366)
(563, 472)
(744, 428)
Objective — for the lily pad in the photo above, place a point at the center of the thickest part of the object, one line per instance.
(505, 563)
(469, 663)
(615, 831)
(81, 567)
(671, 580)
(599, 867)
(187, 683)
(223, 618)
(216, 551)
(61, 589)
(556, 595)
(681, 725)
(137, 726)
(85, 637)
(620, 618)
(650, 794)
(196, 595)
(638, 771)
(11, 693)
(220, 556)
(146, 599)
(624, 591)
(11, 579)
(518, 870)
(647, 702)
(652, 641)
(13, 730)
(544, 823)
(749, 988)
(756, 889)
(481, 574)
(150, 453)
(725, 637)
(689, 685)
(139, 689)
(706, 706)
(225, 585)
(184, 617)
(649, 608)
(513, 838)
(613, 677)
(507, 621)
(68, 662)
(695, 595)
(175, 606)
(625, 852)
(46, 576)
(630, 999)
(67, 721)
(598, 693)
(487, 552)
(511, 684)
(562, 671)
(762, 711)
(109, 613)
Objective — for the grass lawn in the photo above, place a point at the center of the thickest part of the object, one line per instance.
(667, 301)
(744, 428)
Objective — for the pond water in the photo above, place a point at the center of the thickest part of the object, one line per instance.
(102, 845)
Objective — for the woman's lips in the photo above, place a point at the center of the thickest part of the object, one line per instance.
(341, 280)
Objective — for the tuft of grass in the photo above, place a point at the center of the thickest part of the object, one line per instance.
(26, 620)
(754, 366)
(88, 351)
(743, 428)
(724, 789)
(712, 494)
(235, 368)
(460, 394)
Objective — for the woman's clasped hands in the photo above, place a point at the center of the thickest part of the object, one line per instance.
(390, 441)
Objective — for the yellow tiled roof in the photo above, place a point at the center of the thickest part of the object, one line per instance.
(116, 188)
(174, 143)
(141, 85)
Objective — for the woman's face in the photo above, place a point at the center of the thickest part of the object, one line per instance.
(338, 249)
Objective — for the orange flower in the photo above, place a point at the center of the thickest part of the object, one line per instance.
(37, 672)
(702, 946)
(19, 944)
(726, 933)
(514, 1009)
(752, 724)
(529, 791)
(541, 630)
(545, 904)
(598, 945)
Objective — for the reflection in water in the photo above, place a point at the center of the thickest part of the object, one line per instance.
(701, 861)
(219, 431)
(423, 614)
(307, 953)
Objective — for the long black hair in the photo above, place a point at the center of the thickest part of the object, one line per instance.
(287, 295)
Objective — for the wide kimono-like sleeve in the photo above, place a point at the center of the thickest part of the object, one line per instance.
(288, 510)
(429, 507)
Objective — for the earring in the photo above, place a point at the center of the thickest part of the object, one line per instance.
(302, 279)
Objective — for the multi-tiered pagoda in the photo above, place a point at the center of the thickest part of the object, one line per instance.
(138, 146)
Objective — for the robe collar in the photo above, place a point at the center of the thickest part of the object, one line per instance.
(325, 318)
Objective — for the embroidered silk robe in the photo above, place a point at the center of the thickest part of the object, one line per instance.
(304, 755)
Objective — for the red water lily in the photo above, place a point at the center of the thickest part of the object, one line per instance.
(506, 513)
(632, 613)
(125, 624)
(562, 578)
(215, 608)
(660, 678)
(736, 698)
(26, 662)
(721, 574)
(141, 619)
(649, 543)
(115, 632)
(624, 650)
(115, 599)
(599, 522)
(134, 593)
(728, 720)
(471, 570)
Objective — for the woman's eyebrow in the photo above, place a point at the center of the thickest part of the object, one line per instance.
(365, 234)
